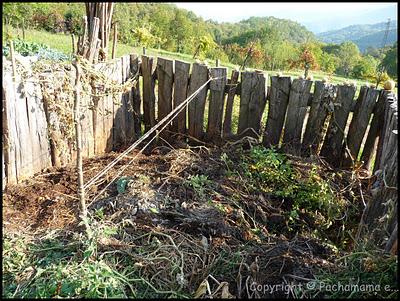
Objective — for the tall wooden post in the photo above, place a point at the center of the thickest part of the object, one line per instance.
(12, 55)
(115, 40)
(81, 191)
(73, 43)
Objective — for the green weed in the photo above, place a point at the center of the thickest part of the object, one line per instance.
(200, 185)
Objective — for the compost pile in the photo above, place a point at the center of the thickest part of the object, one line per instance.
(200, 222)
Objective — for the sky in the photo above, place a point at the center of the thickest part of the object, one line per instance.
(317, 17)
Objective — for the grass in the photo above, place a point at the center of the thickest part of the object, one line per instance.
(63, 43)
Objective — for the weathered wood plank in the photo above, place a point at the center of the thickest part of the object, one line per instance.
(385, 196)
(232, 86)
(118, 111)
(25, 142)
(165, 75)
(99, 129)
(135, 94)
(323, 96)
(127, 103)
(333, 142)
(149, 99)
(374, 130)
(280, 87)
(37, 128)
(388, 98)
(5, 134)
(252, 103)
(296, 112)
(358, 125)
(180, 93)
(216, 103)
(196, 108)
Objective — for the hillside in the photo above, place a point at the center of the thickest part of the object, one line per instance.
(363, 35)
(244, 30)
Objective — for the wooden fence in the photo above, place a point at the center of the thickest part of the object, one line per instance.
(301, 116)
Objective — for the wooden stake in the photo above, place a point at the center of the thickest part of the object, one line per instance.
(23, 29)
(73, 43)
(12, 55)
(217, 63)
(81, 191)
(144, 50)
(114, 41)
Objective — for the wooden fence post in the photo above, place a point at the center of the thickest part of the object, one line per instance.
(197, 106)
(81, 191)
(358, 126)
(380, 215)
(73, 43)
(227, 128)
(149, 99)
(323, 97)
(216, 103)
(165, 76)
(252, 103)
(296, 112)
(279, 98)
(181, 81)
(114, 40)
(13, 64)
(333, 143)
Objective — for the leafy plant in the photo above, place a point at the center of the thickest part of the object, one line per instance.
(271, 172)
(362, 274)
(199, 183)
(35, 49)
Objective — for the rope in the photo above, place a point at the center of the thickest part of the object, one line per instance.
(175, 112)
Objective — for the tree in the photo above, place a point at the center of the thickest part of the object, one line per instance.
(181, 30)
(366, 68)
(389, 62)
(203, 45)
(328, 62)
(307, 59)
(349, 55)
(144, 36)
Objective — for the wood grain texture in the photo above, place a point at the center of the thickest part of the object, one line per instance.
(333, 142)
(135, 94)
(181, 83)
(296, 113)
(386, 184)
(252, 103)
(216, 103)
(196, 107)
(359, 124)
(165, 75)
(127, 103)
(102, 114)
(374, 130)
(26, 144)
(119, 124)
(148, 92)
(277, 105)
(323, 96)
(232, 85)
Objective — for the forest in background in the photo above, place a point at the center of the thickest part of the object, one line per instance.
(259, 42)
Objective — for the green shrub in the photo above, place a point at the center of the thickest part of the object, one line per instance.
(271, 172)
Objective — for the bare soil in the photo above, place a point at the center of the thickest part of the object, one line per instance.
(272, 255)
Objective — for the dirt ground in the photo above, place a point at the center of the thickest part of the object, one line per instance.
(156, 199)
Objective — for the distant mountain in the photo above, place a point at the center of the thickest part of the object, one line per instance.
(363, 35)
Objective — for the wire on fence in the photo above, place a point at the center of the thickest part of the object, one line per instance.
(175, 112)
